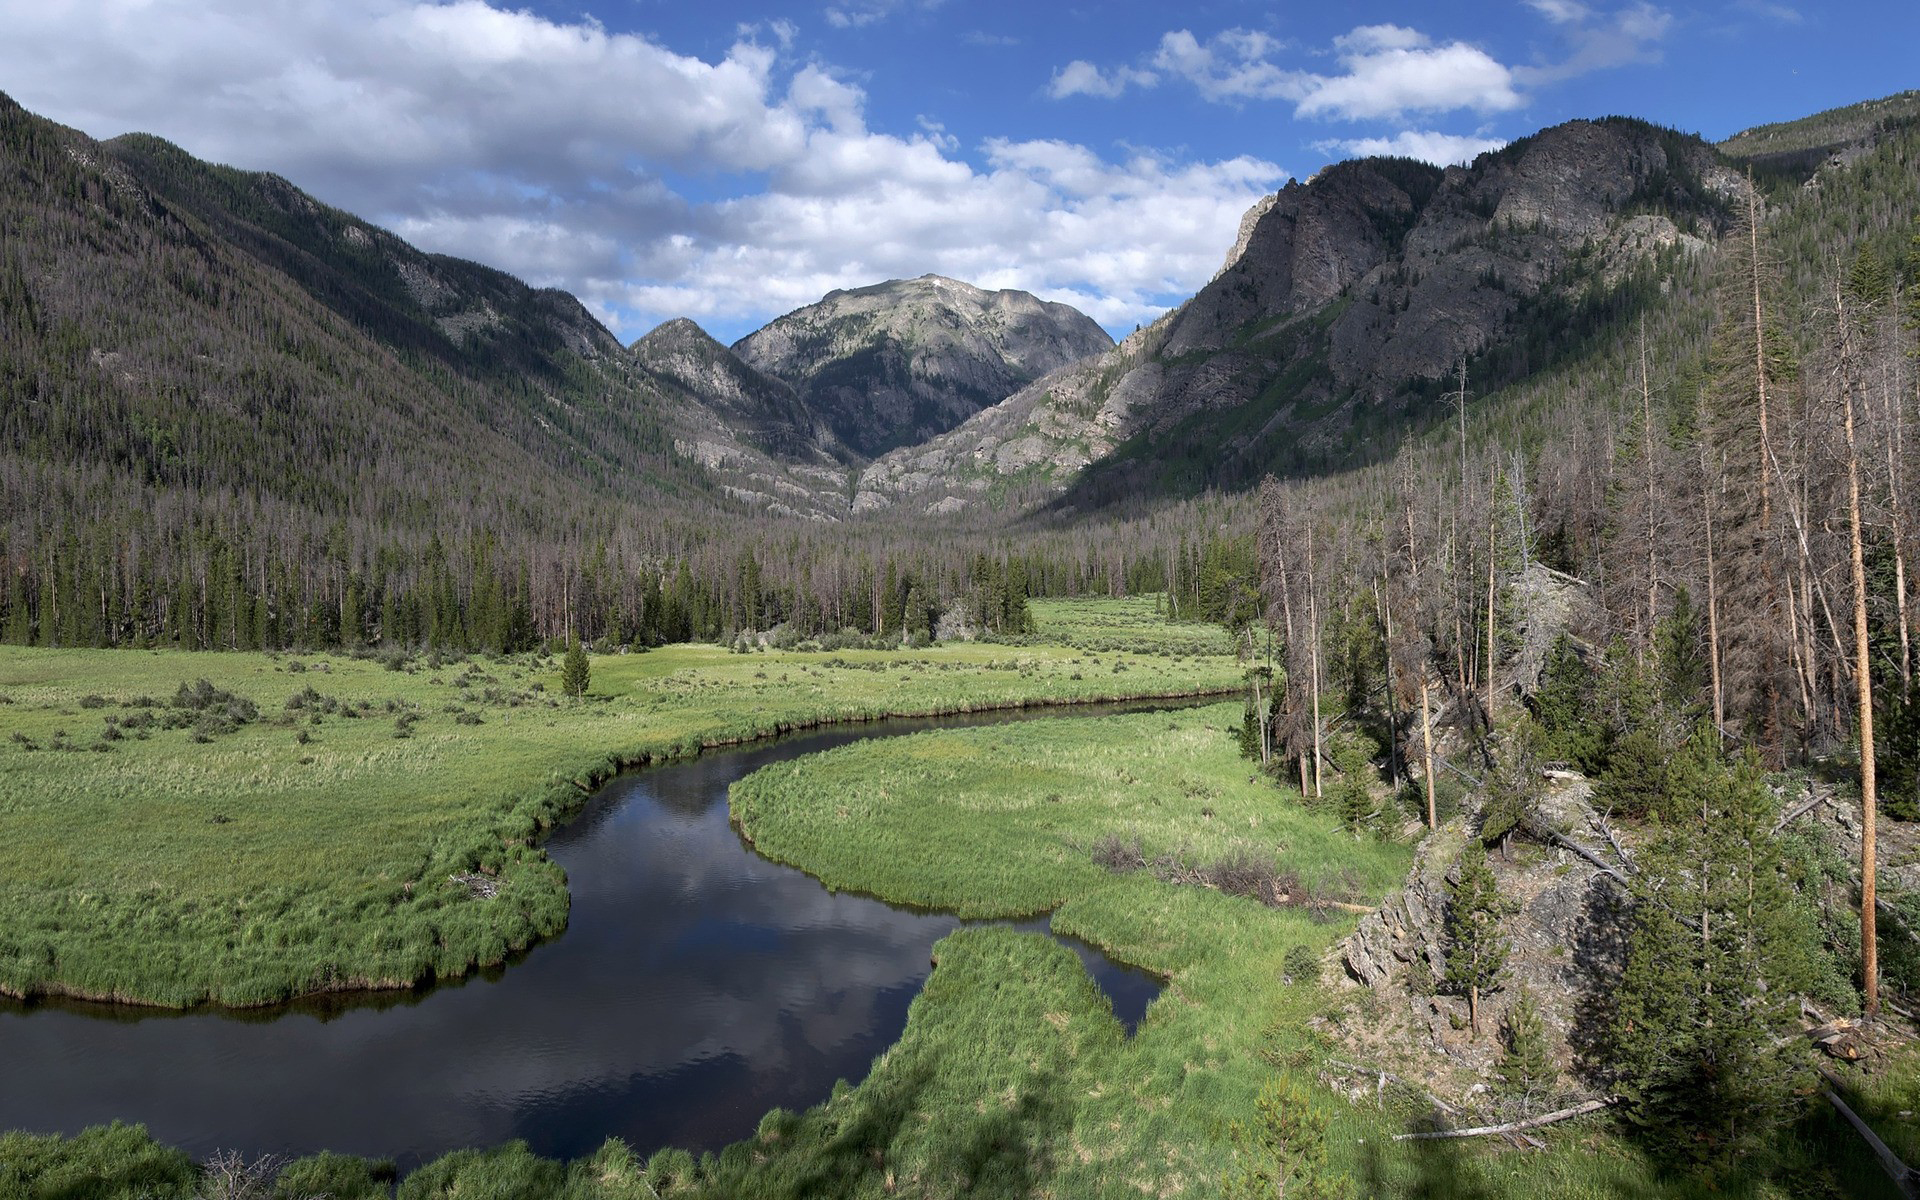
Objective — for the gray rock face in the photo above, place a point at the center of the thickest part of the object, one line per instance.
(1409, 927)
(686, 363)
(900, 362)
(1341, 295)
(748, 430)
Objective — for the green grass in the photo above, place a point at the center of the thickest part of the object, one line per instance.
(312, 849)
(1013, 1074)
(1128, 623)
(1012, 1078)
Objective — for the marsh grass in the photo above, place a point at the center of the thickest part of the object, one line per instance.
(317, 823)
(1012, 1078)
(1128, 624)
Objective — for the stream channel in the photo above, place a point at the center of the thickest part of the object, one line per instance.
(697, 985)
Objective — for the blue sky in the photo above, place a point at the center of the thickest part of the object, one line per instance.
(731, 162)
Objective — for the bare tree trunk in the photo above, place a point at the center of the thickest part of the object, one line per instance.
(1313, 622)
(1800, 642)
(1492, 582)
(1863, 682)
(1713, 601)
(1426, 721)
(1770, 691)
(1649, 501)
(1896, 460)
(1286, 609)
(1393, 700)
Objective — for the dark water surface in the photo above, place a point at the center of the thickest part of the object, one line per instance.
(697, 986)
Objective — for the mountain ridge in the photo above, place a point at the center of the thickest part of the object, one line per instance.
(1346, 303)
(896, 362)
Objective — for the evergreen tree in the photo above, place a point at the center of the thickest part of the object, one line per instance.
(1527, 1069)
(1564, 708)
(1476, 951)
(1702, 1034)
(574, 672)
(1507, 797)
(1284, 1154)
(1350, 796)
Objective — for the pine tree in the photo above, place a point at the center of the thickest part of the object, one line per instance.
(1476, 951)
(1349, 795)
(1527, 1068)
(574, 672)
(1719, 945)
(1284, 1155)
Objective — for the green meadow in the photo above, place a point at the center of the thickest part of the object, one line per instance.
(240, 828)
(1012, 1077)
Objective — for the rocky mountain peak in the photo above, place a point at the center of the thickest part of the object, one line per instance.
(898, 362)
(1342, 298)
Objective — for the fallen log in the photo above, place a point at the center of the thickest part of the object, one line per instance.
(1565, 1114)
(1798, 811)
(1904, 1177)
(1549, 834)
(1384, 1076)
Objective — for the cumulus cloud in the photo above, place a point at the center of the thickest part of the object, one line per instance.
(1391, 70)
(1387, 72)
(1440, 149)
(648, 182)
(1117, 240)
(1230, 66)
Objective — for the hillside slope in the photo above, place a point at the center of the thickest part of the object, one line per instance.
(1338, 322)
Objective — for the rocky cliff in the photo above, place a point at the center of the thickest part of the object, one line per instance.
(1344, 304)
(899, 362)
(748, 429)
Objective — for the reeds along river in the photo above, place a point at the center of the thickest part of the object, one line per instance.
(696, 987)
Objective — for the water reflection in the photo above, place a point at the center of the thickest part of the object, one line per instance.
(697, 986)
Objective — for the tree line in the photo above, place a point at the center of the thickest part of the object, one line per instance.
(1729, 541)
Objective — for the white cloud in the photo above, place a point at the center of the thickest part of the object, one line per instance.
(1229, 67)
(855, 14)
(1596, 41)
(1391, 71)
(1388, 71)
(1121, 241)
(1440, 149)
(1082, 78)
(650, 183)
(1561, 12)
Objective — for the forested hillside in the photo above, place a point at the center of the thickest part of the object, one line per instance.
(1683, 571)
(233, 417)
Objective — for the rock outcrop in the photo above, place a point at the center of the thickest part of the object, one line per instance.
(1346, 299)
(900, 362)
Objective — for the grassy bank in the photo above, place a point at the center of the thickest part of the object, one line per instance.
(1012, 1078)
(304, 823)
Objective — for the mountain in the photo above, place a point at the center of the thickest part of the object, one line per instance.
(750, 431)
(168, 326)
(899, 362)
(1338, 321)
(1796, 148)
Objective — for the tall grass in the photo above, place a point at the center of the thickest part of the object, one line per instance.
(374, 827)
(1012, 1078)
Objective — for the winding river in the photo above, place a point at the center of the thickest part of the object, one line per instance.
(697, 985)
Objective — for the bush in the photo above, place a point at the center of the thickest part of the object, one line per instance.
(1302, 965)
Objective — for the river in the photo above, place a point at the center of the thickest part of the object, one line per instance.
(697, 985)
